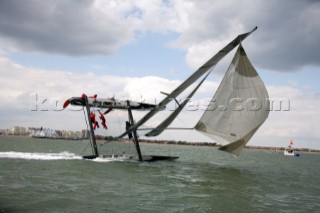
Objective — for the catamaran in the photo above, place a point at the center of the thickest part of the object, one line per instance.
(241, 92)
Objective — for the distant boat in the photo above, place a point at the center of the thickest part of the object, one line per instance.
(289, 151)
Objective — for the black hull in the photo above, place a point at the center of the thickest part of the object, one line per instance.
(152, 158)
(145, 158)
(89, 157)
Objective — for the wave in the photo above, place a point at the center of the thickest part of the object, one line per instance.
(60, 156)
(40, 156)
(109, 158)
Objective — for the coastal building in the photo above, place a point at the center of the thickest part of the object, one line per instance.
(40, 132)
(17, 130)
(85, 133)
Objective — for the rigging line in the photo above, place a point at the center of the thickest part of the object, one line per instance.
(182, 121)
(217, 93)
(208, 73)
(169, 133)
(168, 128)
(146, 126)
(85, 148)
(85, 118)
(180, 128)
(119, 125)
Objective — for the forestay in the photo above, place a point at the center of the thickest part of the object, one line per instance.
(161, 127)
(238, 108)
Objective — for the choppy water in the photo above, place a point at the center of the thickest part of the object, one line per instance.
(38, 175)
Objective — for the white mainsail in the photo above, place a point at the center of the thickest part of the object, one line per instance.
(238, 108)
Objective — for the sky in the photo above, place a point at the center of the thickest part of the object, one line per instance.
(133, 49)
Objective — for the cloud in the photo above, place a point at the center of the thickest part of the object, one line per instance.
(63, 27)
(148, 88)
(286, 40)
(298, 121)
(29, 95)
(81, 28)
(19, 84)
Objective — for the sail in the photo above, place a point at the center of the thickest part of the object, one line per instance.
(194, 77)
(238, 108)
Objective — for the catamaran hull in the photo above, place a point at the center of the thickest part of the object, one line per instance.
(145, 158)
(292, 154)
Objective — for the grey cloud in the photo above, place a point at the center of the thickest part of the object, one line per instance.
(288, 32)
(64, 27)
(292, 30)
(287, 38)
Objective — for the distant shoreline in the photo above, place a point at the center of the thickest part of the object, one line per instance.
(250, 147)
(181, 143)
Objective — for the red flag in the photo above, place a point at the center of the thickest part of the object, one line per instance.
(291, 142)
(66, 103)
(94, 96)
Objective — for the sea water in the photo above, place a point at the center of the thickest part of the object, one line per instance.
(42, 175)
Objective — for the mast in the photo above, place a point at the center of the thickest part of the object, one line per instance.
(93, 138)
(135, 137)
